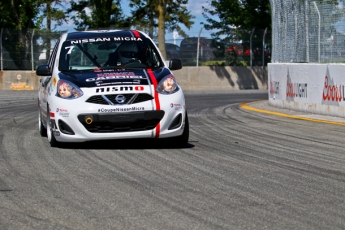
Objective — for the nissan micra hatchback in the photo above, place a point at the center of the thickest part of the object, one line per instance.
(101, 85)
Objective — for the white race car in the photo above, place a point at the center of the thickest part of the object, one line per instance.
(101, 85)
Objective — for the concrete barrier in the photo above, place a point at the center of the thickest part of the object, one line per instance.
(190, 78)
(315, 88)
(18, 80)
(214, 78)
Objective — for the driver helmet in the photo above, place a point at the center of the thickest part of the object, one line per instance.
(128, 51)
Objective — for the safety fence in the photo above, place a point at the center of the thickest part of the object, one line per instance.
(303, 31)
(306, 31)
(238, 48)
(25, 50)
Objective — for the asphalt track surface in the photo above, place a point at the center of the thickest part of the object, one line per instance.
(247, 166)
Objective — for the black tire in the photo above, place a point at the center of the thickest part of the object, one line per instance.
(41, 128)
(51, 138)
(182, 140)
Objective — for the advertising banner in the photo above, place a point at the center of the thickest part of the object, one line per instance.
(316, 88)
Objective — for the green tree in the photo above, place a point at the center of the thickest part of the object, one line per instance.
(52, 11)
(97, 14)
(163, 15)
(143, 17)
(243, 14)
(233, 21)
(17, 20)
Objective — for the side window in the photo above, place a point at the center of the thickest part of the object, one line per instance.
(53, 56)
(151, 55)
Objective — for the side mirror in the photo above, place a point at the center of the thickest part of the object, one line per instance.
(43, 70)
(175, 64)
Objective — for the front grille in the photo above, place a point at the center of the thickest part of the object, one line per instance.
(106, 127)
(109, 99)
(121, 122)
(142, 97)
(97, 100)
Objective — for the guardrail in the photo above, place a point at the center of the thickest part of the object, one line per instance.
(200, 78)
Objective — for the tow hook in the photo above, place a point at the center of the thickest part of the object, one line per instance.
(88, 120)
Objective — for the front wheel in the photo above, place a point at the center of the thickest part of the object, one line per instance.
(41, 128)
(51, 138)
(182, 140)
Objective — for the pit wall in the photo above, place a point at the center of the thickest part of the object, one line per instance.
(315, 88)
(201, 78)
(18, 80)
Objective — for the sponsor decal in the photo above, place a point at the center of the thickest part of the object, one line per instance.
(119, 88)
(115, 110)
(112, 76)
(139, 88)
(137, 39)
(86, 40)
(332, 92)
(114, 89)
(294, 90)
(101, 83)
(121, 74)
(62, 112)
(176, 106)
(274, 87)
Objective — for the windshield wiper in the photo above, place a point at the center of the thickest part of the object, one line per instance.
(93, 59)
(109, 67)
(76, 70)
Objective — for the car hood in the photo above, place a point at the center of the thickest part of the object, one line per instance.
(113, 77)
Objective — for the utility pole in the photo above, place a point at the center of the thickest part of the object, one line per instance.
(197, 52)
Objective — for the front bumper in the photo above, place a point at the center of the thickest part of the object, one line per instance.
(123, 122)
(80, 120)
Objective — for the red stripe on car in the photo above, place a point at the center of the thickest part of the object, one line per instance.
(136, 33)
(157, 103)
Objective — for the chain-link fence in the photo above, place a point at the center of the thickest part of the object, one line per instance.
(25, 50)
(240, 48)
(308, 31)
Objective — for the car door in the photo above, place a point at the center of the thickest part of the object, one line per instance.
(44, 81)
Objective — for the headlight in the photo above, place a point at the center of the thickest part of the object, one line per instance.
(167, 85)
(68, 90)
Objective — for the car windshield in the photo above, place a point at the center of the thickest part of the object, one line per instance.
(108, 53)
